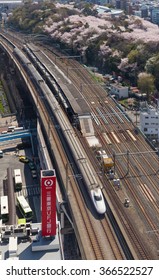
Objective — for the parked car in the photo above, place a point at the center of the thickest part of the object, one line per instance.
(32, 165)
(34, 174)
(23, 159)
(24, 145)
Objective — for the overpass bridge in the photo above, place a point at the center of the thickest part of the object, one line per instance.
(11, 136)
(15, 135)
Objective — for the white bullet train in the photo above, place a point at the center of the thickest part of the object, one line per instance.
(98, 200)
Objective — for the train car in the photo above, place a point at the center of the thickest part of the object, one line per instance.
(98, 200)
(106, 161)
(30, 69)
(88, 174)
(21, 57)
(60, 96)
(7, 40)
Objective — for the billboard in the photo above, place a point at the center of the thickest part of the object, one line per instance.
(48, 201)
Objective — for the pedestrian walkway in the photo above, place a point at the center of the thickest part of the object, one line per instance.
(14, 135)
(37, 207)
(29, 191)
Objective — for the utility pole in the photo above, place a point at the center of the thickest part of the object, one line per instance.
(114, 161)
(128, 161)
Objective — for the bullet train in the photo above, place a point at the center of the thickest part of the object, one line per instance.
(72, 143)
(98, 200)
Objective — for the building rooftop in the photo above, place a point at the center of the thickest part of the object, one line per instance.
(104, 9)
(118, 85)
(30, 247)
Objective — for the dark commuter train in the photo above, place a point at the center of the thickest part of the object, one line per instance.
(50, 80)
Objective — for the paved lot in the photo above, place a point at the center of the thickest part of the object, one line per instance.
(30, 187)
(7, 121)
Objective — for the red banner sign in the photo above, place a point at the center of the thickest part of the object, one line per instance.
(48, 193)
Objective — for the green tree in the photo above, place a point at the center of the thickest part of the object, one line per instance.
(133, 55)
(89, 11)
(152, 67)
(92, 53)
(146, 84)
(111, 64)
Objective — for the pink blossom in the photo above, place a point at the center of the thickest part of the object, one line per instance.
(85, 29)
(104, 50)
(147, 32)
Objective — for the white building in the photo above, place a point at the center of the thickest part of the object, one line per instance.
(149, 120)
(109, 12)
(119, 91)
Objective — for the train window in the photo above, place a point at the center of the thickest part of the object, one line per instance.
(98, 197)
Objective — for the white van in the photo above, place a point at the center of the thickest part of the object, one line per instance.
(19, 128)
(11, 128)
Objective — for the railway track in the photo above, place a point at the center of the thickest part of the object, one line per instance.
(89, 225)
(129, 230)
(113, 122)
(138, 181)
(132, 147)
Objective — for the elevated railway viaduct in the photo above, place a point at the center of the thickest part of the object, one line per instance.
(136, 252)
